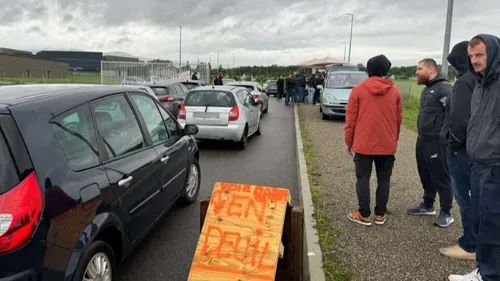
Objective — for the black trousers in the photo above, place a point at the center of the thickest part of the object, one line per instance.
(280, 93)
(383, 167)
(316, 97)
(433, 171)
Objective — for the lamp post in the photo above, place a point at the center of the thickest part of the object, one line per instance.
(345, 48)
(180, 47)
(350, 40)
(447, 36)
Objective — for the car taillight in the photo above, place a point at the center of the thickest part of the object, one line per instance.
(20, 210)
(182, 113)
(256, 97)
(234, 114)
(167, 99)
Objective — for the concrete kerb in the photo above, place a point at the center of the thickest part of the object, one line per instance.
(313, 262)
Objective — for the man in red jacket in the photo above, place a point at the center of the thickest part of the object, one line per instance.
(372, 127)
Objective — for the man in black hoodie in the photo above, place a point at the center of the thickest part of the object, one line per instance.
(431, 149)
(455, 132)
(483, 146)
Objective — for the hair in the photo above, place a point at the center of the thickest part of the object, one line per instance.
(430, 63)
(476, 41)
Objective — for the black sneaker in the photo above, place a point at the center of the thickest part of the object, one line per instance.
(444, 219)
(421, 210)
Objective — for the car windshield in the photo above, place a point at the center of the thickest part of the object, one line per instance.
(271, 83)
(345, 80)
(210, 98)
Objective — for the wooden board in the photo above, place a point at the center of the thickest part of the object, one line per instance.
(241, 235)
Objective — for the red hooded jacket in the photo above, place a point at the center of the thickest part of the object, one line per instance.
(373, 117)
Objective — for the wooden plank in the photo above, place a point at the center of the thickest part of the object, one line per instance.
(203, 211)
(241, 234)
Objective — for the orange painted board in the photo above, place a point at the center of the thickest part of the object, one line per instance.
(241, 235)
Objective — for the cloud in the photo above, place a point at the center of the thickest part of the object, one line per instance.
(257, 32)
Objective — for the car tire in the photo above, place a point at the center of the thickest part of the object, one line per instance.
(192, 185)
(324, 116)
(98, 249)
(242, 144)
(320, 109)
(259, 129)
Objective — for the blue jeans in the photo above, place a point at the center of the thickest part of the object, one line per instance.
(310, 94)
(485, 198)
(290, 94)
(459, 166)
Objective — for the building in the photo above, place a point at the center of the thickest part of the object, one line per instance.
(78, 61)
(120, 58)
(23, 64)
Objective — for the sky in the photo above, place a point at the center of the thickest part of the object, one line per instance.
(252, 32)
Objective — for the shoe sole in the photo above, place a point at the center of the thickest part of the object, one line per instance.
(359, 222)
(380, 222)
(433, 213)
(445, 225)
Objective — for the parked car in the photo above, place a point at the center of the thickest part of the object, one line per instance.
(222, 113)
(133, 80)
(191, 84)
(86, 172)
(335, 94)
(170, 93)
(147, 89)
(256, 91)
(227, 80)
(271, 87)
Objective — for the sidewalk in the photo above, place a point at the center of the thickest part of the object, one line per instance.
(405, 248)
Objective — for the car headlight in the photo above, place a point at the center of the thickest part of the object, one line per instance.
(329, 98)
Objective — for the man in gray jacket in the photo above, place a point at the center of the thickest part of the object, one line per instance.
(483, 146)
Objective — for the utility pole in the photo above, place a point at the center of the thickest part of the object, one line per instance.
(233, 64)
(350, 40)
(345, 49)
(180, 47)
(218, 50)
(447, 37)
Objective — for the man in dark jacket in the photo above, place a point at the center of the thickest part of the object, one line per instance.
(311, 88)
(195, 76)
(483, 146)
(319, 82)
(281, 87)
(431, 149)
(455, 132)
(218, 80)
(290, 89)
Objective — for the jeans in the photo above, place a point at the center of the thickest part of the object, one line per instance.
(310, 94)
(485, 207)
(290, 94)
(459, 166)
(301, 92)
(383, 166)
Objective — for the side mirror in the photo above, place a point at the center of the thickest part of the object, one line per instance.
(190, 129)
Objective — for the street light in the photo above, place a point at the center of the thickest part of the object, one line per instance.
(180, 47)
(447, 36)
(350, 40)
(345, 48)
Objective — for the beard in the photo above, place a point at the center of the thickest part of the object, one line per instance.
(422, 80)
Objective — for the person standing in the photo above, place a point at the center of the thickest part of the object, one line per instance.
(319, 82)
(455, 132)
(372, 128)
(311, 88)
(290, 90)
(281, 87)
(194, 76)
(218, 80)
(483, 146)
(431, 151)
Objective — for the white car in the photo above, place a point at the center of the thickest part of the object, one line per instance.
(256, 91)
(225, 113)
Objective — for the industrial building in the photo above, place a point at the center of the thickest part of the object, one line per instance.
(23, 64)
(78, 61)
(120, 58)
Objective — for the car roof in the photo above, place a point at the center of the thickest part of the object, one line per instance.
(161, 83)
(346, 72)
(227, 88)
(246, 83)
(17, 94)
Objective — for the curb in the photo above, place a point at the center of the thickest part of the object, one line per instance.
(313, 263)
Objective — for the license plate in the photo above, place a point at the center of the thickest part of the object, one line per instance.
(211, 115)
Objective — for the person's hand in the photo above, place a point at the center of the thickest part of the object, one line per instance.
(349, 150)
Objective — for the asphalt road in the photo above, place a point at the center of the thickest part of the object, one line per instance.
(269, 159)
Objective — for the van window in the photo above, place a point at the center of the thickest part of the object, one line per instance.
(75, 132)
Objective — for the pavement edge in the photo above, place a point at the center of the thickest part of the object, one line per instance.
(314, 257)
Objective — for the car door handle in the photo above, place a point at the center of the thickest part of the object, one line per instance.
(165, 159)
(125, 182)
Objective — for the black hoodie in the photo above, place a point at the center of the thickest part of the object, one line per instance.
(483, 132)
(432, 107)
(458, 104)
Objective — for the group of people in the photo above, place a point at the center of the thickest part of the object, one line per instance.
(297, 89)
(457, 148)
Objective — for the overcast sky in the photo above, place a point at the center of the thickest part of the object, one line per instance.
(257, 32)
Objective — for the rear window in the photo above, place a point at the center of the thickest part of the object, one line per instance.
(190, 86)
(210, 98)
(248, 87)
(160, 91)
(15, 163)
(345, 80)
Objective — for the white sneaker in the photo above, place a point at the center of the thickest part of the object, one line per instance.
(473, 276)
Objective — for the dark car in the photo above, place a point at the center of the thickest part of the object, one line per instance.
(170, 93)
(191, 84)
(85, 173)
(271, 88)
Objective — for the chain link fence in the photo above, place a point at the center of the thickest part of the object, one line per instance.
(116, 72)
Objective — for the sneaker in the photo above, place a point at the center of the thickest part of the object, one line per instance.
(444, 219)
(421, 210)
(380, 220)
(357, 218)
(457, 252)
(473, 276)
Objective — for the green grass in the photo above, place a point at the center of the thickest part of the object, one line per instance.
(328, 235)
(411, 96)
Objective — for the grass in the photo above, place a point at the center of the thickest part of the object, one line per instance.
(328, 235)
(411, 101)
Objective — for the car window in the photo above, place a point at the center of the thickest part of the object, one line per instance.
(152, 118)
(241, 94)
(210, 98)
(172, 91)
(190, 86)
(178, 90)
(75, 132)
(341, 80)
(172, 127)
(160, 91)
(249, 100)
(8, 173)
(117, 126)
(183, 89)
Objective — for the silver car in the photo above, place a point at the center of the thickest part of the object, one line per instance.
(226, 113)
(256, 91)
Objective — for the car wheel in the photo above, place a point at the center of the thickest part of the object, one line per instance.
(259, 129)
(98, 263)
(244, 139)
(324, 116)
(320, 109)
(192, 186)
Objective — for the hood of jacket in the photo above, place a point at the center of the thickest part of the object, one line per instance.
(377, 85)
(459, 58)
(493, 62)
